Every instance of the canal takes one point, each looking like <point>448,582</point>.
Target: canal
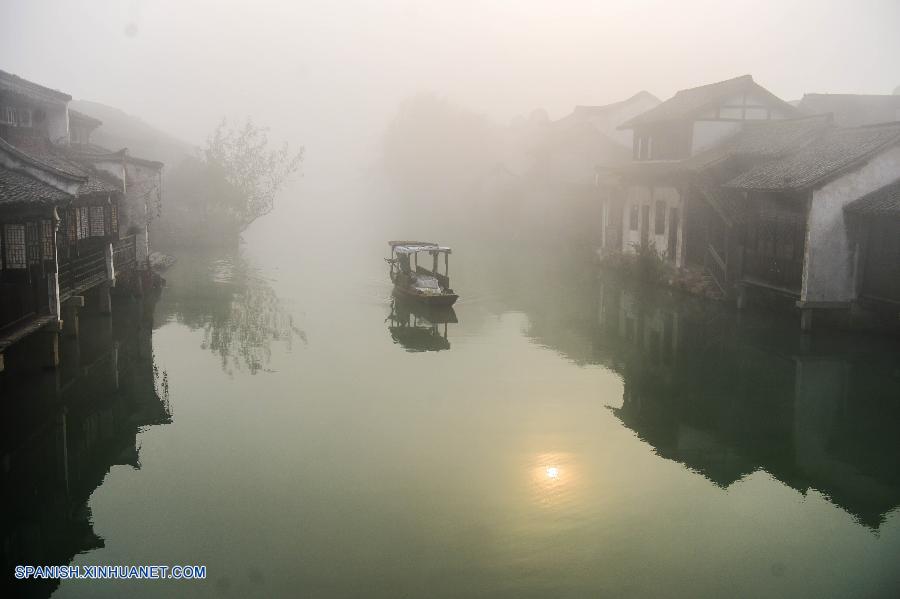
<point>274,417</point>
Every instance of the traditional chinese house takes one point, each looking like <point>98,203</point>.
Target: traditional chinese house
<point>73,216</point>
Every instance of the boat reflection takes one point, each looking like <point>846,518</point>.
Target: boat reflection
<point>417,327</point>
<point>66,429</point>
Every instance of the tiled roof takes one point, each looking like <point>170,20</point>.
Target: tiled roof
<point>17,84</point>
<point>582,111</point>
<point>93,152</point>
<point>689,101</point>
<point>20,188</point>
<point>826,155</point>
<point>884,201</point>
<point>99,182</point>
<point>853,110</point>
<point>43,153</point>
<point>761,140</point>
<point>80,116</point>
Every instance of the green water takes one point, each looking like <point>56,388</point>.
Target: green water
<point>272,417</point>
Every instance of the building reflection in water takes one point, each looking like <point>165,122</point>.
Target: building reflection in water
<point>64,430</point>
<point>238,311</point>
<point>418,328</point>
<point>728,395</point>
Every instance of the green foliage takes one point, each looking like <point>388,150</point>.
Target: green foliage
<point>650,267</point>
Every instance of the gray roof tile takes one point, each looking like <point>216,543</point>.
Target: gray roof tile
<point>18,188</point>
<point>824,156</point>
<point>884,201</point>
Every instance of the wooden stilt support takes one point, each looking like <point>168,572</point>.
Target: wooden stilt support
<point>806,317</point>
<point>105,298</point>
<point>70,309</point>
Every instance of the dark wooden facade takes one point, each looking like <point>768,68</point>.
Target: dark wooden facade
<point>880,280</point>
<point>27,263</point>
<point>763,245</point>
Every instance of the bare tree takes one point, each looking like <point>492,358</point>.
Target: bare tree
<point>248,173</point>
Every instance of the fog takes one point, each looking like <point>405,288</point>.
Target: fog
<point>329,75</point>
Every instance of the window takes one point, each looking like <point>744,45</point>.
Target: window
<point>81,216</point>
<point>634,218</point>
<point>33,242</point>
<point>660,218</point>
<point>16,117</point>
<point>114,217</point>
<point>47,240</point>
<point>23,117</point>
<point>98,224</point>
<point>15,246</point>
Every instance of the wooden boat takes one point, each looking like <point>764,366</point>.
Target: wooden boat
<point>414,282</point>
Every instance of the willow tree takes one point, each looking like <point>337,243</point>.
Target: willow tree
<point>245,172</point>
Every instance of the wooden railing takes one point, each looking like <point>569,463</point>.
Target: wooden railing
<point>125,254</point>
<point>717,268</point>
<point>81,273</point>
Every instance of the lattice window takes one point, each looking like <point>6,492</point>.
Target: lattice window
<point>114,217</point>
<point>84,230</point>
<point>15,246</point>
<point>33,242</point>
<point>47,252</point>
<point>98,222</point>
<point>71,227</point>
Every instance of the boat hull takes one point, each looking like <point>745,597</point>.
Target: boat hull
<point>442,300</point>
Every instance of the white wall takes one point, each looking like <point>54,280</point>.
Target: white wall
<point>707,134</point>
<point>829,262</point>
<point>57,122</point>
<point>641,195</point>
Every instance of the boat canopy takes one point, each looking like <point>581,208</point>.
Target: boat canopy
<point>414,247</point>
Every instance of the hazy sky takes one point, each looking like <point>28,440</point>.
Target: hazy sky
<point>325,73</point>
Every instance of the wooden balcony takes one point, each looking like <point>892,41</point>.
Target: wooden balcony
<point>80,274</point>
<point>125,254</point>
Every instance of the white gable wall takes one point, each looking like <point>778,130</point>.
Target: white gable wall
<point>829,271</point>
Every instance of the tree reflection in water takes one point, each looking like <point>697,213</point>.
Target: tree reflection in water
<point>239,313</point>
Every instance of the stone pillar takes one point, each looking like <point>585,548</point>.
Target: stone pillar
<point>70,310</point>
<point>142,249</point>
<point>104,297</point>
<point>49,347</point>
<point>114,364</point>
<point>806,317</point>
<point>110,265</point>
<point>742,299</point>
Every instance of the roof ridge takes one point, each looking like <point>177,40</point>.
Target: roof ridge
<point>849,95</point>
<point>22,155</point>
<point>747,77</point>
<point>13,78</point>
